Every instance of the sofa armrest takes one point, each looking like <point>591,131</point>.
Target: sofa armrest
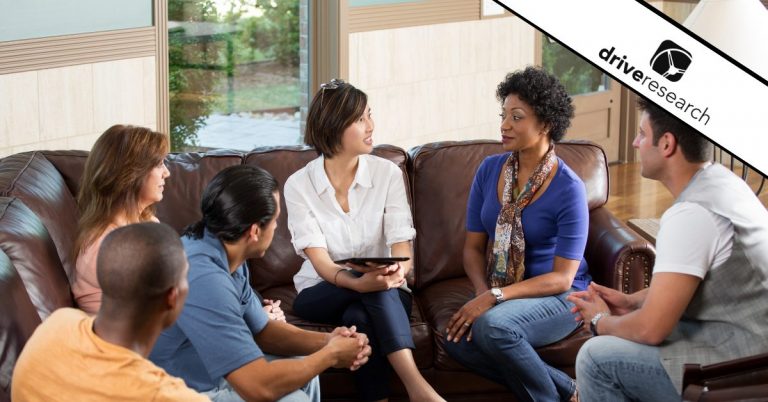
<point>743,376</point>
<point>617,256</point>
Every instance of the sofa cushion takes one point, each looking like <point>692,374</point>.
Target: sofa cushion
<point>34,180</point>
<point>190,174</point>
<point>18,319</point>
<point>441,175</point>
<point>70,165</point>
<point>589,162</point>
<point>439,302</point>
<point>25,240</point>
<point>280,263</point>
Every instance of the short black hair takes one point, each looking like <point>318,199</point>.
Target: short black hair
<point>138,263</point>
<point>236,198</point>
<point>334,108</point>
<point>544,93</point>
<point>695,147</point>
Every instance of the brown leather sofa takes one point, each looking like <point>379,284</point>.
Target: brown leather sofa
<point>744,379</point>
<point>38,225</point>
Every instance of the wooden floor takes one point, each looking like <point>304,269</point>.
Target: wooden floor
<point>632,196</point>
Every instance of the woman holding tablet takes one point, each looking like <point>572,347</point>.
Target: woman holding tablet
<point>349,204</point>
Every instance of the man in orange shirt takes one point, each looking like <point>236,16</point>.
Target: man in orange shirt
<point>142,270</point>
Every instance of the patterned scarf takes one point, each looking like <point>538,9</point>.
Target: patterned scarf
<point>506,264</point>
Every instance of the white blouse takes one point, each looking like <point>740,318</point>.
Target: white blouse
<point>378,216</point>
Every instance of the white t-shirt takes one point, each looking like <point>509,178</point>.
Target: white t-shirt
<point>378,216</point>
<point>692,240</point>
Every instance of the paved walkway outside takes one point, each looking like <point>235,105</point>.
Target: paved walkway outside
<point>246,132</point>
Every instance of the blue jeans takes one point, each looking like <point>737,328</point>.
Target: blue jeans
<point>383,316</point>
<point>503,342</point>
<point>310,392</point>
<point>615,369</point>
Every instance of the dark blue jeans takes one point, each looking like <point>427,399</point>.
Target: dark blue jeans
<point>382,316</point>
<point>503,342</point>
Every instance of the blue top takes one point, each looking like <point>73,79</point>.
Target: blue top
<point>213,335</point>
<point>555,224</point>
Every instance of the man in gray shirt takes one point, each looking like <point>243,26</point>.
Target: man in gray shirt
<point>706,301</point>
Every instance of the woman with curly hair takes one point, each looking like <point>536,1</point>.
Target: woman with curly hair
<point>124,177</point>
<point>533,208</point>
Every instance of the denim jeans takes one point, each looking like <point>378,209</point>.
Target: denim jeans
<point>615,369</point>
<point>310,392</point>
<point>503,342</point>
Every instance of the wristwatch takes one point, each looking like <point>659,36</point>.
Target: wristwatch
<point>497,293</point>
<point>595,319</point>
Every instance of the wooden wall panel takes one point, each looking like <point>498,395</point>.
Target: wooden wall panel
<point>69,50</point>
<point>427,12</point>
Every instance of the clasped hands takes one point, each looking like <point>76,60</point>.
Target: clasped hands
<point>597,299</point>
<point>273,310</point>
<point>378,277</point>
<point>349,347</point>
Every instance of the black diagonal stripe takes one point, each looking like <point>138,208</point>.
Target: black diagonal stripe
<point>629,87</point>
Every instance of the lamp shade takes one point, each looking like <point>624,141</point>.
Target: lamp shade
<point>739,28</point>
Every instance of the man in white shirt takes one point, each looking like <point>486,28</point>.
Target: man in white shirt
<point>705,302</point>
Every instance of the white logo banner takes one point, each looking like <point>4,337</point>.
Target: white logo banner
<point>664,64</point>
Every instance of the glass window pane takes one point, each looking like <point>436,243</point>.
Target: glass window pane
<point>364,3</point>
<point>27,19</point>
<point>578,76</point>
<point>234,73</point>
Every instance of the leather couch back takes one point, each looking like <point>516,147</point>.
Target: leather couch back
<point>441,176</point>
<point>33,179</point>
<point>25,240</point>
<point>190,174</point>
<point>70,165</point>
<point>281,262</point>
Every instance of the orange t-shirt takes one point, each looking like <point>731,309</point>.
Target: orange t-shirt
<point>65,360</point>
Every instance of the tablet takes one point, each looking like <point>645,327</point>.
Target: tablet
<point>374,260</point>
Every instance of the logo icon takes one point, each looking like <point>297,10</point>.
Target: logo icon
<point>671,60</point>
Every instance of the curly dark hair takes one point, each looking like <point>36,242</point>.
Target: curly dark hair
<point>544,93</point>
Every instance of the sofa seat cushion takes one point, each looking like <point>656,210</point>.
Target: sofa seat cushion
<point>441,300</point>
<point>422,336</point>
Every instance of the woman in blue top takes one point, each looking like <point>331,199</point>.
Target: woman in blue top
<point>533,208</point>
